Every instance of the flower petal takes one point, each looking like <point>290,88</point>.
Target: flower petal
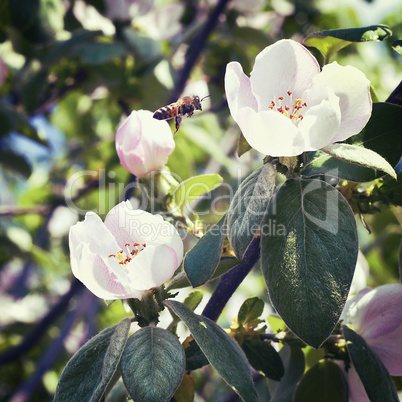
<point>389,349</point>
<point>92,231</point>
<point>378,312</point>
<point>357,393</point>
<point>153,266</point>
<point>90,244</point>
<point>353,89</point>
<point>129,226</point>
<point>321,122</point>
<point>238,89</point>
<point>270,133</point>
<point>90,269</point>
<point>285,65</point>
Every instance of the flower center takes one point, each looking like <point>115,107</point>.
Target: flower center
<point>124,257</point>
<point>288,108</point>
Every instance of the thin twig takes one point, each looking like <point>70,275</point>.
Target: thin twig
<point>230,281</point>
<point>196,48</point>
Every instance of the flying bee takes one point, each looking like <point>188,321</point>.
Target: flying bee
<point>184,106</point>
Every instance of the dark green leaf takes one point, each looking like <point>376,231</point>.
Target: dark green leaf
<point>152,365</point>
<point>397,46</point>
<point>248,208</point>
<point>225,264</point>
<point>146,48</point>
<point>309,259</point>
<point>325,381</point>
<point>294,363</point>
<point>220,349</point>
<point>263,357</point>
<point>372,372</point>
<point>381,135</point>
<point>98,53</point>
<point>250,310</point>
<point>90,370</point>
<point>321,164</point>
<point>331,41</point>
<point>201,261</point>
<point>359,156</point>
<point>195,359</point>
<point>16,163</point>
<point>13,120</point>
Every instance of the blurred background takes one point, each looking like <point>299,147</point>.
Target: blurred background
<point>70,71</point>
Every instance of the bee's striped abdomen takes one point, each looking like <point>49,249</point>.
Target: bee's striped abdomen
<point>165,113</point>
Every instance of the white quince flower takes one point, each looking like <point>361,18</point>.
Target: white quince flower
<point>289,105</point>
<point>131,252</point>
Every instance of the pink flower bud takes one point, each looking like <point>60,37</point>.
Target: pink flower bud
<point>144,143</point>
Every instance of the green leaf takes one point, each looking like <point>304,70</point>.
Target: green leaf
<point>226,263</point>
<point>250,310</point>
<point>243,146</point>
<point>294,364</point>
<point>381,134</point>
<point>359,156</point>
<point>91,369</point>
<point>16,163</point>
<point>220,349</point>
<point>193,299</point>
<point>331,41</point>
<point>372,372</point>
<point>195,359</point>
<point>146,48</point>
<point>95,53</point>
<point>309,259</point>
<point>263,357</point>
<point>321,164</point>
<point>325,381</point>
<point>192,188</point>
<point>152,365</point>
<point>13,120</point>
<point>248,208</point>
<point>397,46</point>
<point>201,261</point>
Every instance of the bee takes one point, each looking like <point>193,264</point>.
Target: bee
<point>184,106</point>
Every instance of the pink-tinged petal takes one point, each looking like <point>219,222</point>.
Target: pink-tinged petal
<point>389,349</point>
<point>93,232</point>
<point>143,143</point>
<point>357,393</point>
<point>129,226</point>
<point>378,312</point>
<point>157,142</point>
<point>320,123</point>
<point>96,276</point>
<point>152,267</point>
<point>270,133</point>
<point>238,89</point>
<point>353,89</point>
<point>284,66</point>
<point>350,303</point>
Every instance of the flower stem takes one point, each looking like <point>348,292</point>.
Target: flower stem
<point>230,281</point>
